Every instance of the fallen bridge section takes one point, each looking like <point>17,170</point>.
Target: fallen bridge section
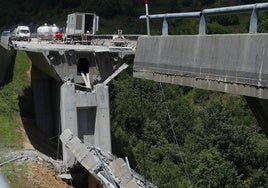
<point>110,171</point>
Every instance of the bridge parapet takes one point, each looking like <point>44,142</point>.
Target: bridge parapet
<point>234,63</point>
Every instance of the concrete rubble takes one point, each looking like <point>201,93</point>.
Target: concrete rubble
<point>22,156</point>
<point>111,171</point>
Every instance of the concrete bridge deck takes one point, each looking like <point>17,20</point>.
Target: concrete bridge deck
<point>233,63</point>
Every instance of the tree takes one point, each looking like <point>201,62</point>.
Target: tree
<point>213,171</point>
<point>207,2</point>
<point>166,175</point>
<point>108,8</point>
<point>127,7</point>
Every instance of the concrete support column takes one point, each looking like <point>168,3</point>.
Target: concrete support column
<point>102,126</point>
<point>87,115</point>
<point>68,117</point>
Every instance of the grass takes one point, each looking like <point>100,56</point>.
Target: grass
<point>10,135</point>
<point>15,175</point>
<point>9,103</point>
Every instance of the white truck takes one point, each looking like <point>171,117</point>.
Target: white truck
<point>21,33</point>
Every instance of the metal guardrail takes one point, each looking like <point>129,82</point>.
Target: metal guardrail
<point>212,12</point>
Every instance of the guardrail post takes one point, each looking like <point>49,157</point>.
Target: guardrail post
<point>254,8</point>
<point>253,26</point>
<point>165,27</point>
<point>202,25</point>
<point>146,2</point>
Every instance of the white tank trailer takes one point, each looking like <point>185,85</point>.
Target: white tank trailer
<point>46,32</point>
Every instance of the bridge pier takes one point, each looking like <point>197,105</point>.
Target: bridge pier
<point>86,114</point>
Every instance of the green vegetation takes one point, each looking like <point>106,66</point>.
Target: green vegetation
<point>9,103</point>
<point>210,140</point>
<point>15,175</point>
<point>10,134</point>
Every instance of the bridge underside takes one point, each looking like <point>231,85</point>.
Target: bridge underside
<point>234,64</point>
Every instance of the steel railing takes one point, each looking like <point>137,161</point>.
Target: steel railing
<point>212,12</point>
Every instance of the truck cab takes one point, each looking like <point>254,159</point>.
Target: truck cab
<point>21,33</point>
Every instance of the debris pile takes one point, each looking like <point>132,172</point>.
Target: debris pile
<point>112,172</point>
<point>22,156</point>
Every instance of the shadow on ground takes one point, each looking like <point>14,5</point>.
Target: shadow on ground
<point>48,146</point>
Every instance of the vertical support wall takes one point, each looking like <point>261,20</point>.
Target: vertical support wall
<point>68,117</point>
<point>87,115</point>
<point>102,127</point>
<point>43,104</point>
